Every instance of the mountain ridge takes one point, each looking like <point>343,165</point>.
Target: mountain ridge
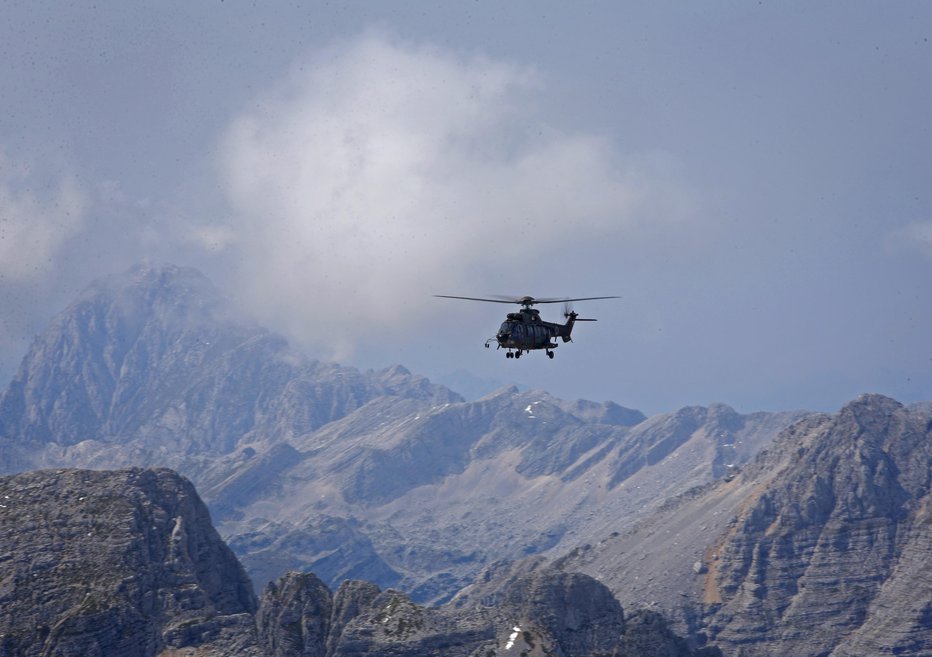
<point>741,527</point>
<point>819,546</point>
<point>127,562</point>
<point>152,368</point>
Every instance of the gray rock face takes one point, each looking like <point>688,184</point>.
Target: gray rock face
<point>116,563</point>
<point>534,610</point>
<point>295,618</point>
<point>833,556</point>
<point>821,546</point>
<point>127,563</point>
<point>441,492</point>
<point>335,548</point>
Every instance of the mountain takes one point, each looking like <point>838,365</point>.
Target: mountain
<point>439,493</point>
<point>760,534</point>
<point>127,563</point>
<point>153,366</point>
<point>318,467</point>
<point>821,546</point>
<point>107,563</point>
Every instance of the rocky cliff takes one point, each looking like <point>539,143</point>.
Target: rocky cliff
<point>535,610</point>
<point>834,555</point>
<point>821,546</point>
<point>116,563</point>
<point>127,563</point>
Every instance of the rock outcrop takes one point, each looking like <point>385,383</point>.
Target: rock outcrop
<point>821,546</point>
<point>127,563</point>
<point>534,610</point>
<point>296,617</point>
<point>834,555</point>
<point>117,563</point>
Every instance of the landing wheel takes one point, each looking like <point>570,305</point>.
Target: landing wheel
<point>517,354</point>
<point>509,355</point>
<point>550,354</point>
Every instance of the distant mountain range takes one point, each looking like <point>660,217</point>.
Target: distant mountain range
<point>741,527</point>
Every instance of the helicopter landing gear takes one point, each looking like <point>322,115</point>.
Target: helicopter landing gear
<point>549,353</point>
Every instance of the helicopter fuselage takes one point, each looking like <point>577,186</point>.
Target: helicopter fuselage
<point>526,331</point>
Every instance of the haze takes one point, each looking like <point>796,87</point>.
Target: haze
<point>751,178</point>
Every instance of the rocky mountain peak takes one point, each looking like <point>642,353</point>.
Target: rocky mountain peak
<point>156,360</point>
<point>839,531</point>
<point>127,341</point>
<point>869,416</point>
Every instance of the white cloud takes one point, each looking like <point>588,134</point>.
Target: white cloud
<point>36,219</point>
<point>211,238</point>
<point>380,172</point>
<point>915,236</point>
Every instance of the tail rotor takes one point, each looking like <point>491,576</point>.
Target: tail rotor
<point>571,314</point>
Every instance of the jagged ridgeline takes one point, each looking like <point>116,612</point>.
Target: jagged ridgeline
<point>817,545</point>
<point>317,467</point>
<point>821,546</point>
<point>127,563</point>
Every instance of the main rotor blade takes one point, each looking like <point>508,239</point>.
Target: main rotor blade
<point>447,296</point>
<point>561,300</point>
<point>524,301</point>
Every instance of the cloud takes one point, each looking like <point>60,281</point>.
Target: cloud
<point>379,172</point>
<point>37,217</point>
<point>915,236</point>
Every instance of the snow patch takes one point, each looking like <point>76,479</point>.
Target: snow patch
<point>515,631</point>
<point>530,409</point>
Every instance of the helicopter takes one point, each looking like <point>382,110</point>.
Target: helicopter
<point>524,331</point>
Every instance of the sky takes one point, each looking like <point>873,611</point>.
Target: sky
<point>752,179</point>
